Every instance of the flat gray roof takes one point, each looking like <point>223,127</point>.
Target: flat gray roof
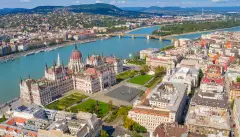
<point>124,93</point>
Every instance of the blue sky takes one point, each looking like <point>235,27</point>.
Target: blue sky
<point>120,3</point>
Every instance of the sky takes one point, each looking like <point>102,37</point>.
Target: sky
<point>119,3</point>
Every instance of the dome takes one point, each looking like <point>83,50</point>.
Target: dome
<point>76,54</point>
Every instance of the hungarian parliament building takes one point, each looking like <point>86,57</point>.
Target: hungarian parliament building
<point>96,74</point>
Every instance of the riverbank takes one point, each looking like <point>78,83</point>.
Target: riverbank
<point>129,31</point>
<point>44,49</point>
<point>196,32</point>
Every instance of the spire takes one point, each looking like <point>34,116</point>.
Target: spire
<point>46,67</point>
<point>58,60</point>
<point>76,46</point>
<point>21,80</point>
<point>54,63</point>
<point>62,64</point>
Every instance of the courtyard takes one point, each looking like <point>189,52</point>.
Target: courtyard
<point>91,106</point>
<point>141,79</point>
<point>66,102</point>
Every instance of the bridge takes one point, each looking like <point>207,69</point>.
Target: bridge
<point>147,36</point>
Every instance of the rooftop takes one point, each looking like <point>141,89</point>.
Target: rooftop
<point>170,93</point>
<point>212,99</point>
<point>208,117</point>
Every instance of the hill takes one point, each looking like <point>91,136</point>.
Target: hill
<point>180,10</point>
<point>98,8</point>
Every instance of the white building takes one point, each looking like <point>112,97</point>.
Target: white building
<point>236,116</point>
<point>162,105</point>
<point>183,75</point>
<point>148,52</point>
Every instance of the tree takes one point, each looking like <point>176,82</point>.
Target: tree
<point>138,128</point>
<point>128,123</point>
<point>238,79</point>
<point>232,104</point>
<point>145,68</point>
<point>3,118</point>
<point>103,133</point>
<point>110,105</point>
<point>142,72</point>
<point>159,71</point>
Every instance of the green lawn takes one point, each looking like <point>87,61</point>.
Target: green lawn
<point>66,101</point>
<point>126,75</point>
<point>154,82</point>
<point>137,62</point>
<point>141,79</point>
<point>90,106</point>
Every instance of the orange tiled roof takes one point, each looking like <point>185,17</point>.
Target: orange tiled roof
<point>17,120</point>
<point>151,112</point>
<point>17,130</point>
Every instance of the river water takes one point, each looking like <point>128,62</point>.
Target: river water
<point>11,71</point>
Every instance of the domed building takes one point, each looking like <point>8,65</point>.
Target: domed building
<point>76,64</point>
<point>97,74</point>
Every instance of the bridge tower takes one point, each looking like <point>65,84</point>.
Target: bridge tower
<point>160,38</point>
<point>148,37</point>
<point>133,36</point>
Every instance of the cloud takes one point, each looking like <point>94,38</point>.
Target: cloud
<point>99,1</point>
<point>118,1</point>
<point>77,2</point>
<point>220,1</point>
<point>25,0</point>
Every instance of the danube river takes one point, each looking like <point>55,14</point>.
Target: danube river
<point>11,71</point>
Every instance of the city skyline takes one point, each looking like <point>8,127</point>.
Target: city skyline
<point>119,3</point>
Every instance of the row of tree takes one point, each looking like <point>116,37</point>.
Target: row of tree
<point>193,27</point>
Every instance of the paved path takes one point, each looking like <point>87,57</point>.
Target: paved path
<point>14,105</point>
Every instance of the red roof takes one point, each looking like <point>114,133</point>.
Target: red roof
<point>151,112</point>
<point>91,71</point>
<point>209,80</point>
<point>235,86</point>
<point>17,130</point>
<point>76,55</point>
<point>16,120</point>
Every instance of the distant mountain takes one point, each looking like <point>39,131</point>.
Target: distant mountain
<point>180,10</point>
<point>9,10</point>
<point>98,8</point>
<point>134,8</point>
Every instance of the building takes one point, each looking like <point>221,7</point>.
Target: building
<point>236,116</point>
<point>162,105</point>
<point>234,91</point>
<point>208,110</point>
<point>99,73</point>
<point>56,82</point>
<point>33,121</point>
<point>162,59</point>
<point>170,130</point>
<point>213,79</point>
<point>208,114</point>
<point>183,75</point>
<point>148,52</point>
<point>73,125</point>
